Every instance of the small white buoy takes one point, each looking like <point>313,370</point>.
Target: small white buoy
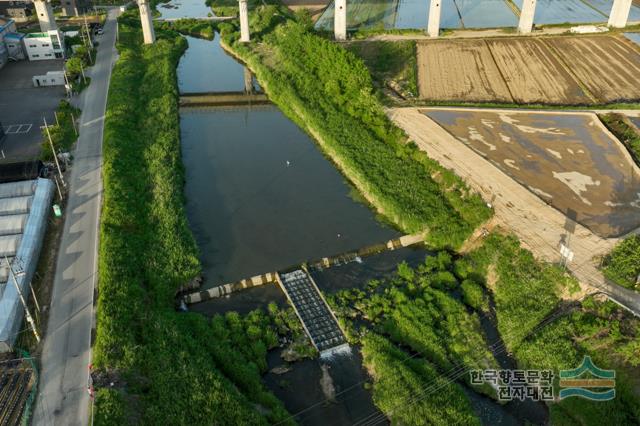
<point>288,163</point>
<point>338,235</point>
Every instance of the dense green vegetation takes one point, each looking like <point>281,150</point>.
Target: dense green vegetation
<point>618,125</point>
<point>400,380</point>
<point>192,27</point>
<point>622,265</point>
<point>63,132</point>
<point>417,309</point>
<point>612,339</point>
<point>328,91</point>
<point>167,367</point>
<point>392,64</point>
<point>525,291</point>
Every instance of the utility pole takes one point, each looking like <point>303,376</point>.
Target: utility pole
<point>30,320</point>
<point>86,27</point>
<point>83,77</point>
<point>53,149</point>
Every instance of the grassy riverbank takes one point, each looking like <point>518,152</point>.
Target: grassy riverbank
<point>328,92</point>
<point>622,265</point>
<point>154,365</point>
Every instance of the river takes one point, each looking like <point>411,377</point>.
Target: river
<point>260,196</point>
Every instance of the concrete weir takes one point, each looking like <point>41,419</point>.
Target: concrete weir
<point>325,262</point>
<point>314,313</point>
<point>222,99</point>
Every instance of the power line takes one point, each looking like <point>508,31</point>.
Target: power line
<point>497,347</point>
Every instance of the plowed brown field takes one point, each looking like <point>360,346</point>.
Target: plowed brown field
<point>534,74</point>
<point>551,70</point>
<point>607,66</point>
<point>459,70</point>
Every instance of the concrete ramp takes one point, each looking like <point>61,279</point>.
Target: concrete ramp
<point>317,318</point>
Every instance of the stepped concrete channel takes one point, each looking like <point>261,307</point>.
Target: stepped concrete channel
<point>317,318</point>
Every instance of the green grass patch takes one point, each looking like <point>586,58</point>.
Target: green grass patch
<point>622,265</point>
<point>612,338</point>
<point>192,27</point>
<point>525,291</point>
<point>619,125</point>
<point>392,64</point>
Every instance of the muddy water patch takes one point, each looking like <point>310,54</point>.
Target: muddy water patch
<point>568,160</point>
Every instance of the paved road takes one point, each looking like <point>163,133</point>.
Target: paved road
<point>63,398</point>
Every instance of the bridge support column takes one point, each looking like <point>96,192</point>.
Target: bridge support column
<point>248,81</point>
<point>45,15</point>
<point>619,13</point>
<point>244,22</point>
<point>146,19</point>
<point>433,26</point>
<point>340,20</point>
<point>525,26</point>
<point>69,7</point>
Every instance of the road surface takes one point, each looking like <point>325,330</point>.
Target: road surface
<point>63,398</point>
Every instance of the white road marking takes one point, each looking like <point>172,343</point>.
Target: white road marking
<point>13,129</point>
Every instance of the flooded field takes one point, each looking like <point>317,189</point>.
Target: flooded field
<point>529,70</point>
<point>406,14</point>
<point>412,14</point>
<point>634,37</point>
<point>184,9</point>
<point>569,160</point>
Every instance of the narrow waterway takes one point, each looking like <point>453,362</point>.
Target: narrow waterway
<point>262,197</point>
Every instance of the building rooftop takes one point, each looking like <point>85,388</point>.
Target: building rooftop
<point>37,35</point>
<point>14,36</point>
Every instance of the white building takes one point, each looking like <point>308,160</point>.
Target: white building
<point>45,45</point>
<point>6,27</point>
<point>51,78</point>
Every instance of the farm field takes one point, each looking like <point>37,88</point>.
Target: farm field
<point>459,70</point>
<point>534,74</point>
<point>412,14</point>
<point>408,14</point>
<point>607,66</point>
<point>569,160</point>
<point>550,70</point>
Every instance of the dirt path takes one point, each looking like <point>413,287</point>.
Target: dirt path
<point>539,227</point>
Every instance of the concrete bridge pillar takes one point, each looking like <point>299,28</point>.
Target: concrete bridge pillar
<point>244,22</point>
<point>619,13</point>
<point>340,20</point>
<point>248,81</point>
<point>433,26</point>
<point>525,26</point>
<point>147,22</point>
<point>45,15</point>
<point>69,7</point>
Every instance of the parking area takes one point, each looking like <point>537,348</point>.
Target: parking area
<point>23,106</point>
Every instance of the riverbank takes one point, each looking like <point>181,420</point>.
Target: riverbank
<point>328,92</point>
<point>153,365</point>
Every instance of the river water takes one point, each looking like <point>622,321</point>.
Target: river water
<point>262,197</point>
